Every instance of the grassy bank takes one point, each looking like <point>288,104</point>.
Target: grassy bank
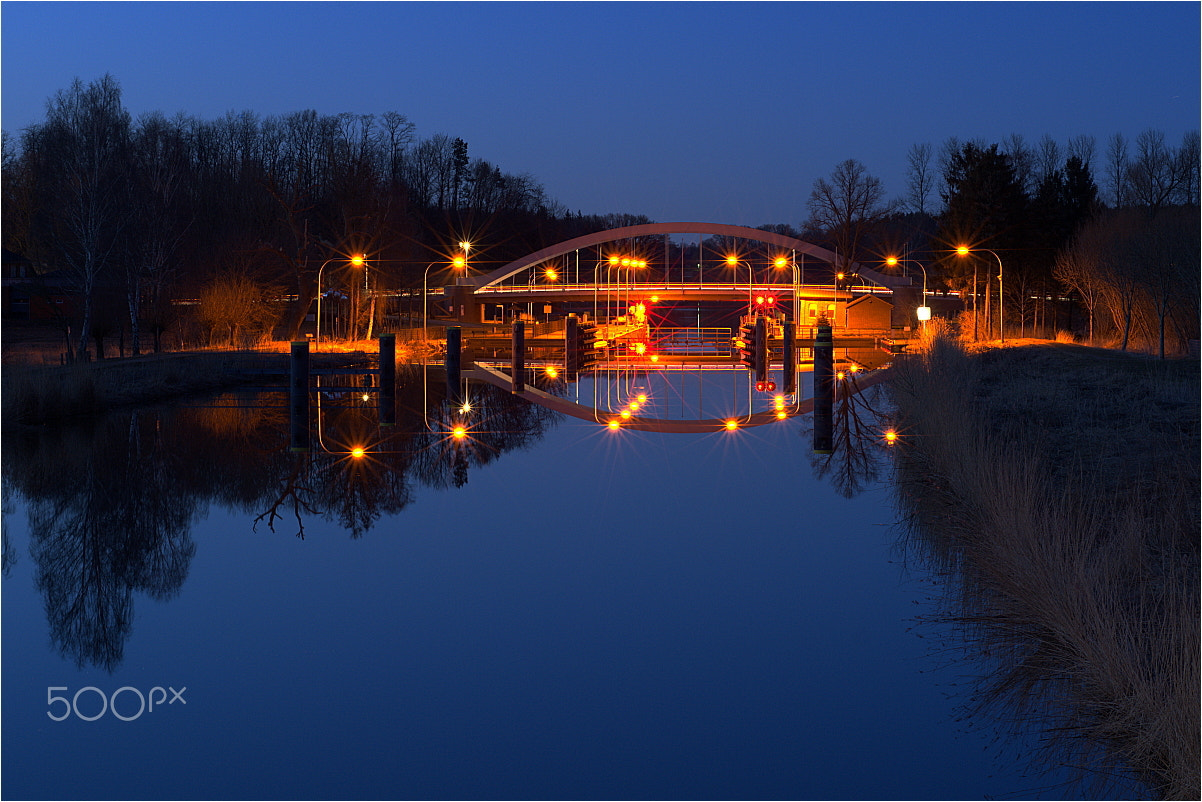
<point>1056,487</point>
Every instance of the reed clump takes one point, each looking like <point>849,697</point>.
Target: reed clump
<point>1057,486</point>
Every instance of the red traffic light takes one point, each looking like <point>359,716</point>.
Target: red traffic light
<point>765,387</point>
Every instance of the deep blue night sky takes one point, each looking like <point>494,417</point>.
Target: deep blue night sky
<point>722,112</point>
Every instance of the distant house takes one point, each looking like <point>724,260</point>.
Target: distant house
<point>26,294</point>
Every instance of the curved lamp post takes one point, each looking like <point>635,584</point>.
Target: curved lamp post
<point>357,261</point>
<point>780,263</point>
<point>733,261</point>
<point>458,263</point>
<point>924,311</point>
<point>964,250</point>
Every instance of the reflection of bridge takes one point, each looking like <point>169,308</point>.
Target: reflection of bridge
<point>586,270</point>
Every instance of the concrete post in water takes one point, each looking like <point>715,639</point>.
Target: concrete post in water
<point>571,352</point>
<point>824,389</point>
<point>454,346</point>
<point>790,359</point>
<point>387,379</point>
<point>298,396</point>
<point>518,369</point>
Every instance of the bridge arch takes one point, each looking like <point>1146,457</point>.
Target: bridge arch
<point>712,229</point>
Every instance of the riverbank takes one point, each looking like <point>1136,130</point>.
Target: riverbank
<point>1055,490</point>
<point>33,394</point>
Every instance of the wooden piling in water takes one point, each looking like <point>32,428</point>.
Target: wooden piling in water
<point>387,379</point>
<point>789,360</point>
<point>298,396</point>
<point>453,363</point>
<point>824,389</point>
<point>518,367</point>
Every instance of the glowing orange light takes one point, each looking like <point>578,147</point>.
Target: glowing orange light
<point>962,250</point>
<point>771,300</point>
<point>357,260</point>
<point>551,274</point>
<point>459,262</point>
<point>840,276</point>
<point>624,414</point>
<point>891,261</point>
<point>357,452</point>
<point>731,425</point>
<point>467,407</point>
<point>854,368</point>
<point>890,437</point>
<point>781,414</point>
<point>614,425</point>
<point>780,261</point>
<point>613,260</point>
<point>552,372</point>
<point>634,406</point>
<point>732,260</point>
<point>625,263</point>
<point>654,299</point>
<point>459,432</point>
<point>642,398</point>
<point>759,299</point>
<point>655,357</point>
<point>779,401</point>
<point>840,375</point>
<point>640,348</point>
<point>365,397</point>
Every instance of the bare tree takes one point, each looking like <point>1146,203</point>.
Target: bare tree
<point>1047,158</point>
<point>1155,174</point>
<point>1022,160</point>
<point>920,177</point>
<point>847,207</point>
<point>1084,147</point>
<point>1117,163</point>
<point>82,149</point>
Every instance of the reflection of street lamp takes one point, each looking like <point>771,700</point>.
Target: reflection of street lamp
<point>964,250</point>
<point>357,261</point>
<point>924,311</point>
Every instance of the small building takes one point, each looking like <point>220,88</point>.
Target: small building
<point>869,312</point>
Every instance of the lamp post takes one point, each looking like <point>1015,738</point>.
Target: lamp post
<point>457,263</point>
<point>924,311</point>
<point>357,261</point>
<point>780,263</point>
<point>733,261</point>
<point>964,250</point>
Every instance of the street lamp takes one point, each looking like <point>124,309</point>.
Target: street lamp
<point>924,311</point>
<point>733,261</point>
<point>964,250</point>
<point>457,263</point>
<point>357,261</point>
<point>780,263</point>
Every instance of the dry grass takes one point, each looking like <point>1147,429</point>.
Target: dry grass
<point>1059,486</point>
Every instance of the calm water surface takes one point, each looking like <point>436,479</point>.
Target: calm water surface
<point>553,611</point>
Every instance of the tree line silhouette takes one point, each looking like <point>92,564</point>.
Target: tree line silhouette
<point>238,212</point>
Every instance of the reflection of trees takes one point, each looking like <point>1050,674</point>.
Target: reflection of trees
<point>111,500</point>
<point>121,524</point>
<point>857,457</point>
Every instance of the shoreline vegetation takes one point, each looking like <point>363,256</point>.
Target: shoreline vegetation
<point>35,394</point>
<point>1053,491</point>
